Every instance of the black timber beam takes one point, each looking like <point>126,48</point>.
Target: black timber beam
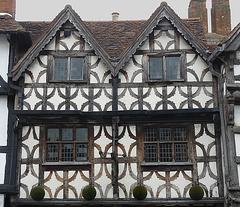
<point>126,117</point>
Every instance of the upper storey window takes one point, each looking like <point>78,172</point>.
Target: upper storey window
<point>68,68</point>
<point>165,68</point>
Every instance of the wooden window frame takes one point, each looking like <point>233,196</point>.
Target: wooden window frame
<point>68,56</point>
<point>173,164</point>
<point>67,164</point>
<point>181,56</point>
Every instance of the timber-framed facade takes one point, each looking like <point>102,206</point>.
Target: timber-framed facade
<point>119,104</point>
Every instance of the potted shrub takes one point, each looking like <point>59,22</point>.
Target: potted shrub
<point>140,192</point>
<point>89,192</point>
<point>196,192</point>
<point>37,193</point>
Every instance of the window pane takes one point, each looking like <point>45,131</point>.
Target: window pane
<point>180,134</point>
<point>172,68</point>
<point>60,69</point>
<point>53,134</point>
<point>77,68</point>
<point>81,152</point>
<point>180,152</point>
<point>151,153</point>
<point>155,68</point>
<point>52,152</point>
<point>165,134</point>
<point>165,152</point>
<point>67,134</point>
<point>150,135</point>
<point>82,134</point>
<point>67,152</point>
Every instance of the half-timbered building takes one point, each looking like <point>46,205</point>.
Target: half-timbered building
<point>14,40</point>
<point>115,105</point>
<point>226,61</point>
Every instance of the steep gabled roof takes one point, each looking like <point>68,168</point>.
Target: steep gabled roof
<point>113,41</point>
<point>66,14</point>
<point>163,11</point>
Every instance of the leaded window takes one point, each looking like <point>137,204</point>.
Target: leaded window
<point>68,68</point>
<point>164,68</point>
<point>166,144</point>
<point>67,144</point>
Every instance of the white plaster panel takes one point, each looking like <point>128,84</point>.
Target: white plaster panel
<point>100,70</point>
<point>53,184</point>
<point>237,115</point>
<point>30,142</point>
<point>145,45</point>
<point>127,180</point>
<point>164,39</point>
<point>102,141</point>
<point>236,69</point>
<point>152,99</point>
<point>177,99</point>
<point>4,120</point>
<point>102,100</point>
<point>198,68</point>
<point>69,41</point>
<point>180,183</point>
<point>207,180</point>
<point>238,167</point>
<point>154,183</point>
<point>78,183</point>
<point>127,99</point>
<point>4,56</point>
<point>103,181</point>
<point>51,45</point>
<point>35,69</point>
<point>237,144</point>
<point>33,100</point>
<point>1,200</point>
<point>127,141</point>
<point>87,46</point>
<point>132,69</point>
<point>29,180</point>
<point>2,167</point>
<point>79,100</point>
<point>202,98</point>
<point>56,99</point>
<point>205,140</point>
<point>184,45</point>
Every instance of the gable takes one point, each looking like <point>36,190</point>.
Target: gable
<point>68,14</point>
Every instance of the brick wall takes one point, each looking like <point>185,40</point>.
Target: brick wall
<point>8,6</point>
<point>221,17</point>
<point>198,9</point>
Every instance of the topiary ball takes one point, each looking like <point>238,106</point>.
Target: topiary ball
<point>89,192</point>
<point>37,193</point>
<point>140,192</point>
<point>196,192</point>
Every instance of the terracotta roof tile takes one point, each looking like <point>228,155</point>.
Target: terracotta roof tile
<point>115,36</point>
<point>8,24</point>
<point>35,29</point>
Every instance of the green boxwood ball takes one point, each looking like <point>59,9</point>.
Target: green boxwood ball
<point>37,193</point>
<point>196,192</point>
<point>89,192</point>
<point>140,192</point>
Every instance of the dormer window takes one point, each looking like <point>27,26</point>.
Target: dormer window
<point>165,68</point>
<point>68,68</point>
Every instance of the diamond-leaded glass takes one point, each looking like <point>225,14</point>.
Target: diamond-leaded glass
<point>156,68</point>
<point>77,67</point>
<point>172,68</point>
<point>60,69</point>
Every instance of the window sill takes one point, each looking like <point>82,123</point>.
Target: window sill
<point>164,81</point>
<point>66,165</point>
<point>68,81</point>
<point>146,166</point>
